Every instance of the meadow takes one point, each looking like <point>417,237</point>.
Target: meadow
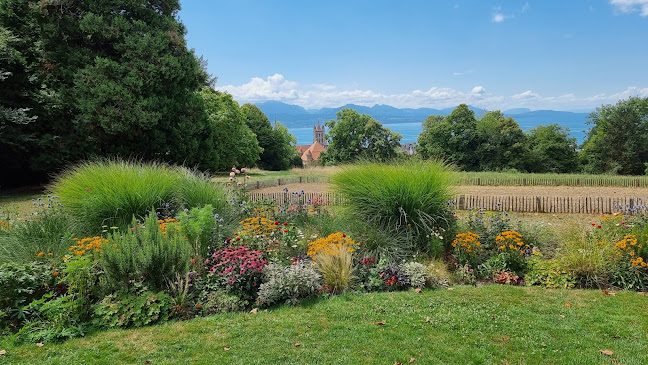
<point>126,261</point>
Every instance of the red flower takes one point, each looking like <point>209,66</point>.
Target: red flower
<point>593,224</point>
<point>344,235</point>
<point>193,261</point>
<point>598,226</point>
<point>285,223</point>
<point>276,223</point>
<point>285,231</point>
<point>198,305</point>
<point>238,238</point>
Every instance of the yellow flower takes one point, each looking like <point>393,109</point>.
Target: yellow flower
<point>40,254</point>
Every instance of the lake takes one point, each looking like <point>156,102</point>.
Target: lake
<point>410,131</point>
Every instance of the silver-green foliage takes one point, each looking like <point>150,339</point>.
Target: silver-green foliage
<point>289,283</point>
<point>145,253</point>
<point>416,272</point>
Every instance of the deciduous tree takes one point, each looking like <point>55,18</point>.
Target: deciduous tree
<point>355,136</point>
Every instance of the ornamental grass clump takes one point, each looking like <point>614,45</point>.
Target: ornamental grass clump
<point>109,192</point>
<point>411,198</point>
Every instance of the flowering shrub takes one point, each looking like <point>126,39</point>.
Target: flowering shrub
<point>239,270</point>
<point>394,278</point>
<point>332,245</point>
<point>289,283</point>
<point>368,274</point>
<point>512,249</point>
<point>547,273</point>
<point>465,274</point>
<point>90,245</point>
<point>4,225</point>
<point>630,270</point>
<point>467,248</point>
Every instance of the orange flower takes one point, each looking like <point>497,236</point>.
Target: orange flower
<point>40,254</point>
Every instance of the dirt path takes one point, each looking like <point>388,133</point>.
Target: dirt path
<point>572,191</point>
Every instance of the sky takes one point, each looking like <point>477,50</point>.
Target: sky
<point>539,54</point>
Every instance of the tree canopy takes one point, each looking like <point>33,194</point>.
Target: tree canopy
<point>552,150</point>
<point>618,140</point>
<point>354,136</point>
<point>278,144</point>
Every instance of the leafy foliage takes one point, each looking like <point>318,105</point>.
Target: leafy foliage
<point>125,309</point>
<point>354,136</point>
<point>552,150</point>
<point>618,140</point>
<point>277,143</point>
<point>233,142</point>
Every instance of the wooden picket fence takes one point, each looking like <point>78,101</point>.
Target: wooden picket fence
<point>522,204</point>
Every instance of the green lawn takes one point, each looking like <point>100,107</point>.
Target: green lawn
<point>485,325</point>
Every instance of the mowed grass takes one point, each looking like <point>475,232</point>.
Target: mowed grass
<point>484,325</point>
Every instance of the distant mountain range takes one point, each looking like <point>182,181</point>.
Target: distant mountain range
<point>294,116</point>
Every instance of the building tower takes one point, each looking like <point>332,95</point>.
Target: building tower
<point>318,134</point>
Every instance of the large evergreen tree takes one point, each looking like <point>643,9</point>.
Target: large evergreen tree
<point>118,77</point>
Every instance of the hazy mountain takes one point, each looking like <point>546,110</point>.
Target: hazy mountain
<point>294,116</point>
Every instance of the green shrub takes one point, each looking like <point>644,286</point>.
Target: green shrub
<point>220,301</point>
<point>410,198</point>
<point>125,309</point>
<point>153,252</point>
<point>547,273</point>
<point>199,225</point>
<point>20,284</point>
<point>109,192</point>
<point>53,318</point>
<point>288,283</point>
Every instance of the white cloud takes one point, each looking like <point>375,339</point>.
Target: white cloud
<point>478,90</point>
<point>278,88</point>
<point>526,95</point>
<point>498,17</point>
<point>631,6</point>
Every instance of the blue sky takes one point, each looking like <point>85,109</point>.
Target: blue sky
<point>538,54</point>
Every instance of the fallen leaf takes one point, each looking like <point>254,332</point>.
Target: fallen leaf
<point>382,323</point>
<point>607,293</point>
<point>297,344</point>
<point>412,360</point>
<point>562,316</point>
<point>427,319</point>
<point>2,352</point>
<point>309,326</point>
<point>398,363</point>
<point>254,311</point>
<point>568,304</point>
<point>505,338</point>
<point>372,297</point>
<point>450,288</point>
<point>40,344</point>
<point>418,290</point>
<point>226,348</point>
<point>607,352</point>
<point>493,316</point>
<point>148,361</point>
<point>615,336</point>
